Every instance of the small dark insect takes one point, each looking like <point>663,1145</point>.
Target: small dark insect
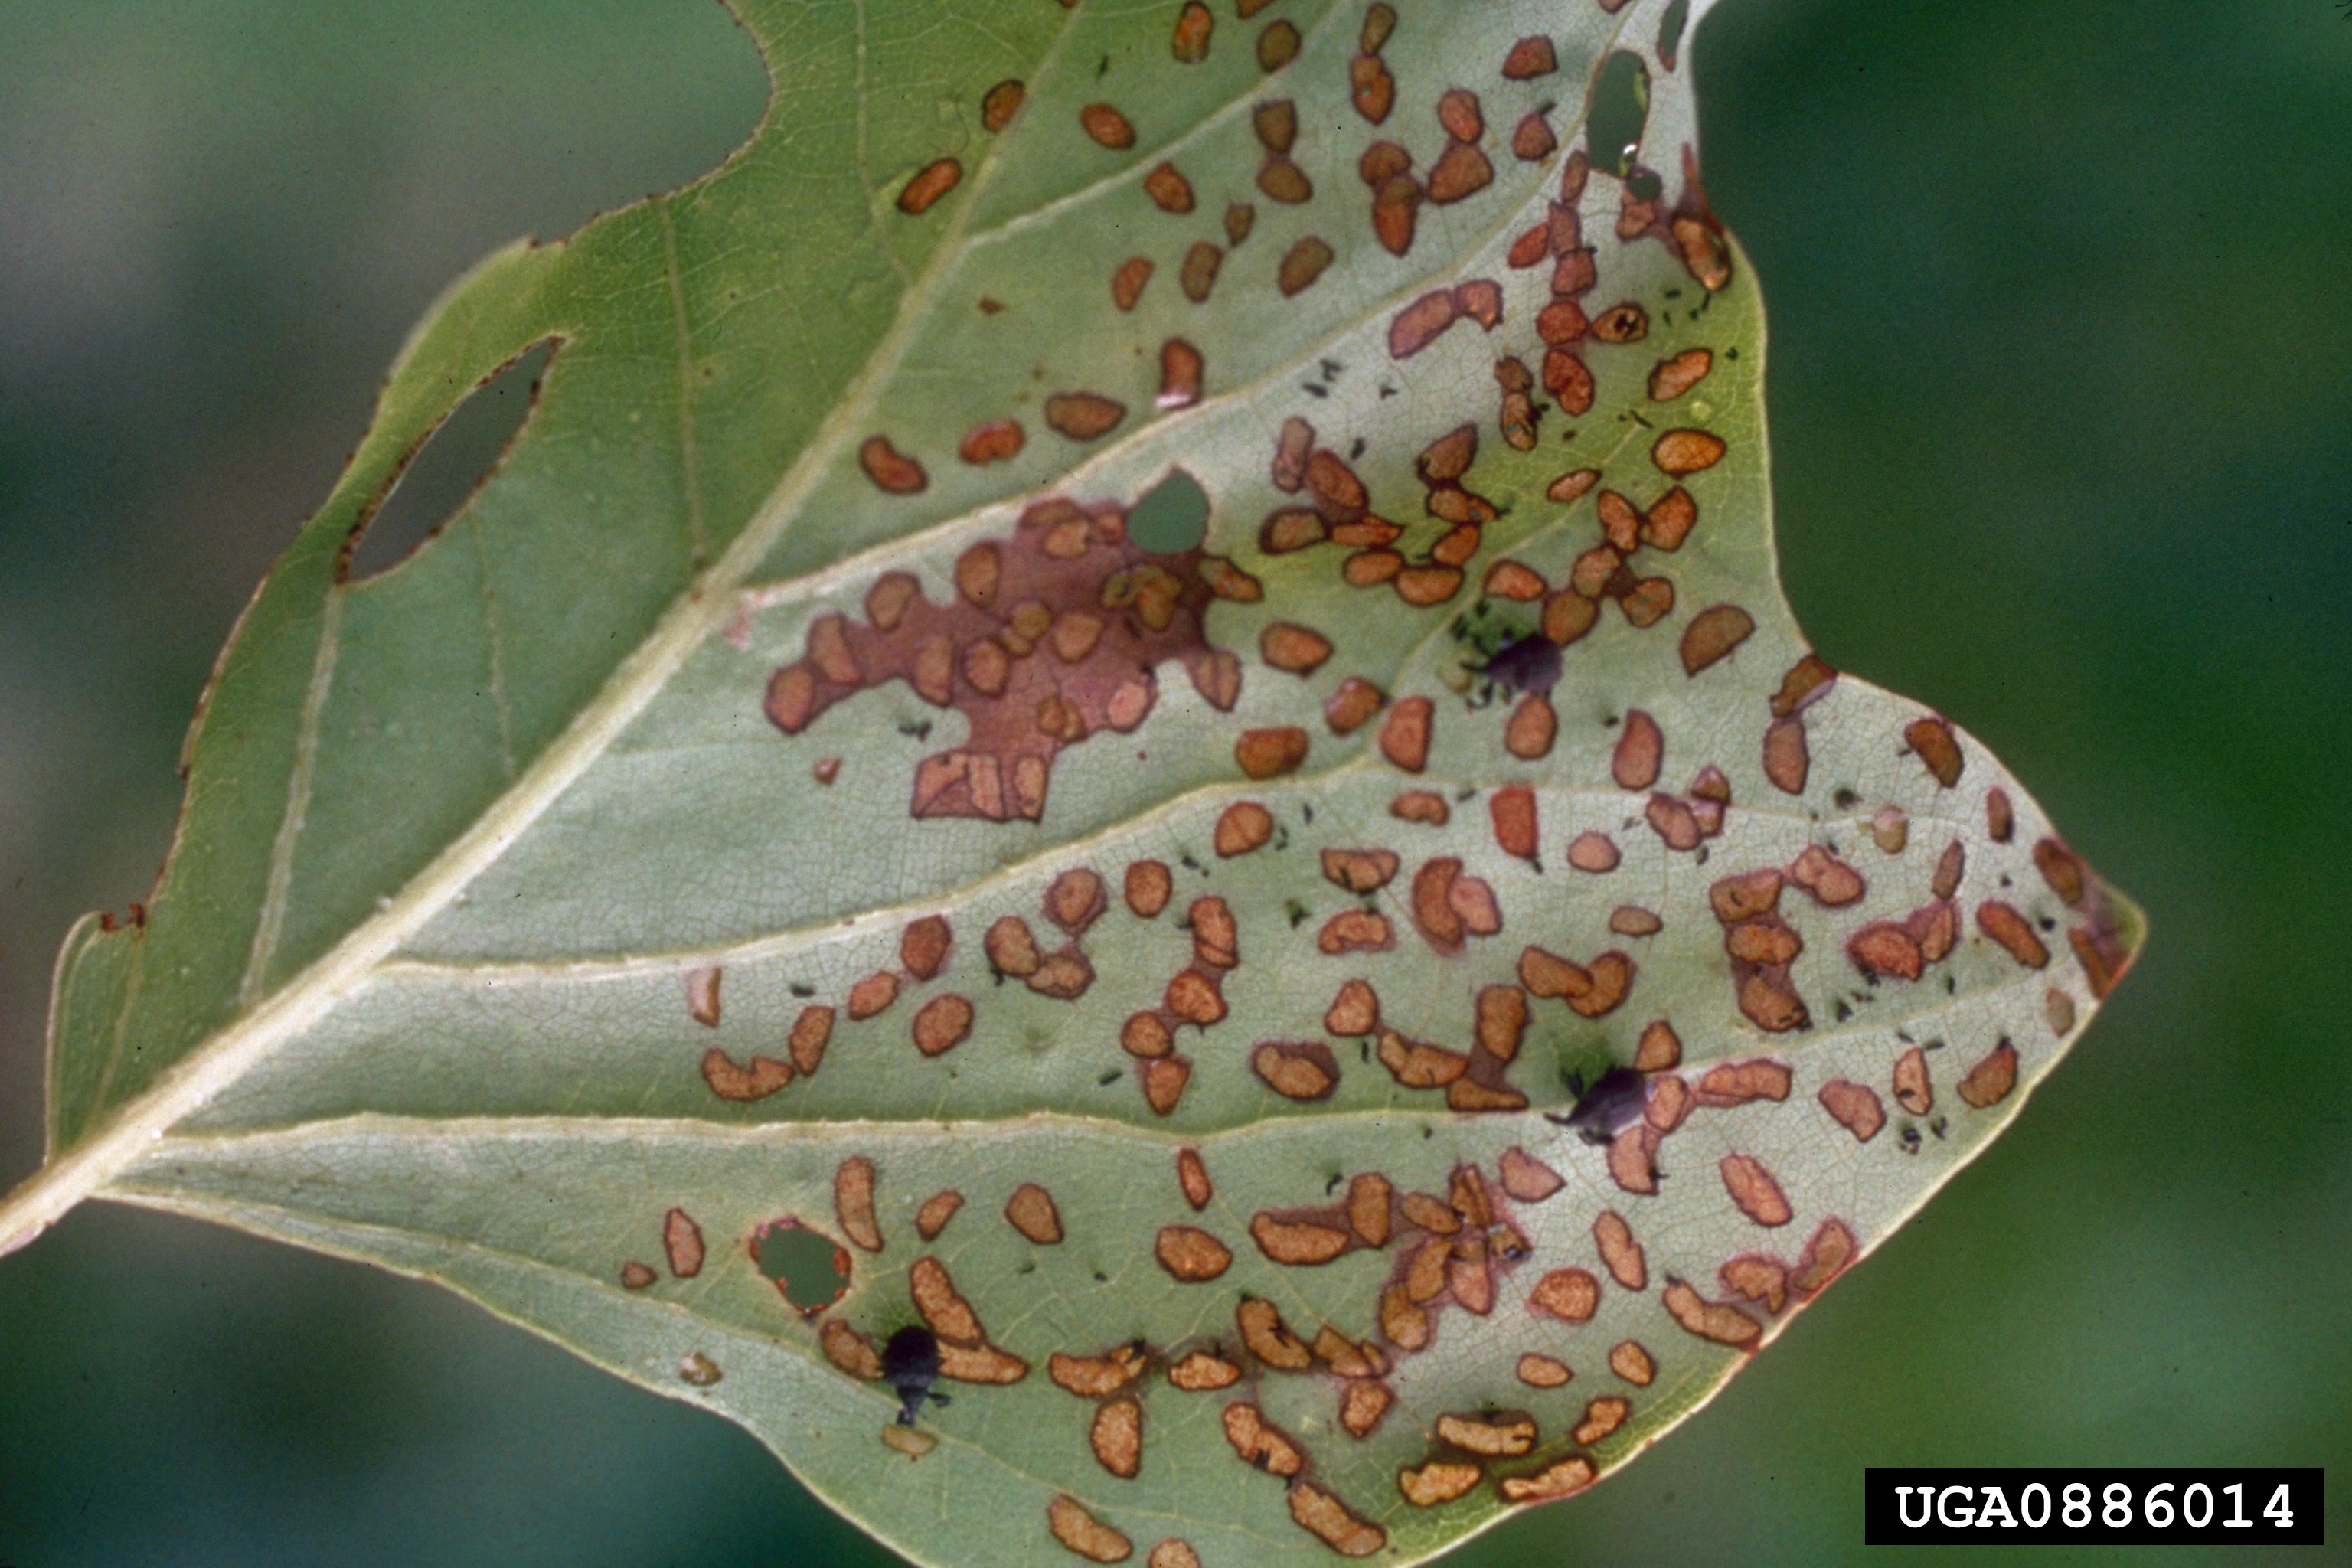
<point>1527,664</point>
<point>1910,1139</point>
<point>1614,1102</point>
<point>911,1364</point>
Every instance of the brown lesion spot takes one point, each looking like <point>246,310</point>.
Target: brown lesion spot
<point>1054,636</point>
<point>1084,1535</point>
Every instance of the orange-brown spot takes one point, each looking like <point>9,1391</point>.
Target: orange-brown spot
<point>1619,1251</point>
<point>1786,759</point>
<point>1404,733</point>
<point>1592,851</point>
<point>1354,701</point>
<point>1193,1176</point>
<point>2058,1010</point>
<point>1737,1083</point>
<point>764,1077</point>
<point>1084,1535</point>
<point>1354,1010</point>
<point>1108,126</point>
<point>853,1202</point>
<point>1884,948</point>
<point>1242,828</point>
<point>1855,1107</point>
<point>890,468</point>
<point>944,1308</point>
<point>1173,1553</point>
<point>1190,44</point>
<point>1296,1070</point>
<point>1602,1417</point>
<point>934,181</point>
<point>1713,633</point>
<point>1418,1066</point>
<point>1531,728</point>
<point>1030,1210</point>
<point>1760,1280</point>
<point>1181,372</point>
<point>1404,1322</point>
<point>1149,885</point>
<point>1321,1514</point>
<point>1084,415</point>
<point>981,1363</point>
<point>849,1350</point>
<point>1532,139</point>
<point>1200,1371</point>
<point>1913,1091</point>
<point>1127,283</point>
<point>1675,377</point>
<point>1754,1189</point>
<point>1832,1246</point>
<point>2001,818</point>
<point>1146,1035</point>
<point>682,1242</point>
<point>1011,947</point>
<point>1611,976</point>
<point>1462,170</point>
<point>1659,1047</point>
<point>1117,1437</point>
<point>1426,807</point>
<point>1503,1435</point>
<point>2006,927</point>
<point>1633,1160</point>
<point>1271,753</point>
<point>1719,1321</point>
<point>1543,1371</point>
<point>1301,265</point>
<point>1932,741</point>
<point>1531,57</point>
<point>1355,930</point>
<point>1362,1402</point>
<point>1680,452</point>
<point>1438,1481</point>
<point>937,1210</point>
<point>1570,1475</point>
<point>1360,870</point>
<point>635,1276</point>
<point>1501,1016</point>
<point>1572,1295</point>
<point>1639,753</point>
<point>1989,1081</point>
<point>923,946</point>
<point>1170,191</point>
<point>809,1034</point>
<point>1298,1243</point>
<point>1002,102</point>
<point>1262,1330</point>
<point>1301,651</point>
<point>873,995</point>
<point>1191,1254</point>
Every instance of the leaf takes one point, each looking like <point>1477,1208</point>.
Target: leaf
<point>1127,699</point>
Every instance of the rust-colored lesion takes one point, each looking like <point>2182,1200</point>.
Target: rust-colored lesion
<point>1052,636</point>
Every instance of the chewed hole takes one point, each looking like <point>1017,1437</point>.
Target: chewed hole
<point>1621,107</point>
<point>457,459</point>
<point>811,1270</point>
<point>1172,518</point>
<point>1670,32</point>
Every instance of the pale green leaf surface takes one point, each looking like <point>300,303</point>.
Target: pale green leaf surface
<point>496,867</point>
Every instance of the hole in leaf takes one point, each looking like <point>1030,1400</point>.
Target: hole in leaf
<point>1670,31</point>
<point>1172,516</point>
<point>811,1268</point>
<point>458,459</point>
<point>1621,107</point>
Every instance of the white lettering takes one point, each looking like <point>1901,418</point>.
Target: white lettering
<point>1902,1506</point>
<point>1943,1508</point>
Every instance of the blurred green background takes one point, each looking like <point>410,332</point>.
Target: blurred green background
<point>2061,400</point>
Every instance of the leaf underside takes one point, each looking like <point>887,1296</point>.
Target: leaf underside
<point>1131,674</point>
